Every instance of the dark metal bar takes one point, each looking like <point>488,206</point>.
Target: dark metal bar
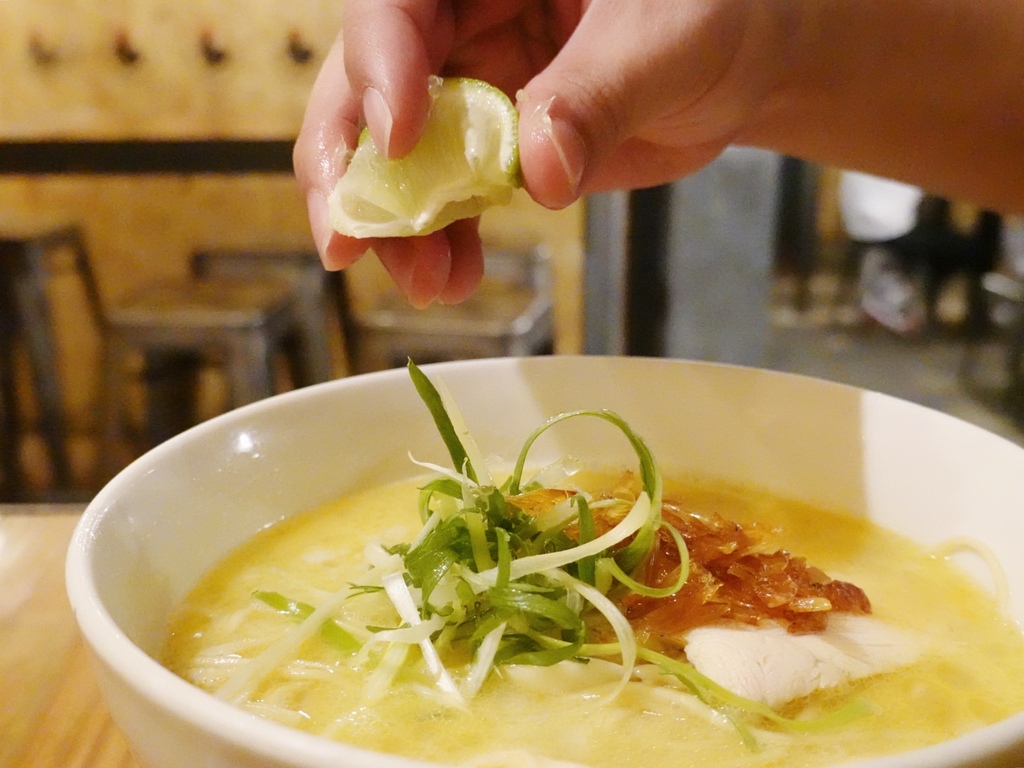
<point>145,157</point>
<point>646,271</point>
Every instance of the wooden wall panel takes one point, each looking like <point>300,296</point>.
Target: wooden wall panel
<point>69,72</point>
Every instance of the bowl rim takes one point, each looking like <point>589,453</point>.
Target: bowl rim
<point>200,709</point>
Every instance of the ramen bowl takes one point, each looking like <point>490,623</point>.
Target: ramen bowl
<point>158,526</point>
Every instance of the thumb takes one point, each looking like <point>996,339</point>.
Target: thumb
<point>576,111</point>
<point>624,90</point>
<point>552,153</point>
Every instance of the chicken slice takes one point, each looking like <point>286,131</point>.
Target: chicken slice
<point>770,665</point>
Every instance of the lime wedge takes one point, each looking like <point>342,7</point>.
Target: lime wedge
<point>466,161</point>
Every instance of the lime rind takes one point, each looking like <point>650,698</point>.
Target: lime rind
<point>466,161</point>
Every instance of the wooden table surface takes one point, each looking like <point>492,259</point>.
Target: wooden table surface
<point>51,712</point>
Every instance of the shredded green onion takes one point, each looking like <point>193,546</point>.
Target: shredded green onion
<point>432,399</point>
<point>330,630</point>
<point>642,589</point>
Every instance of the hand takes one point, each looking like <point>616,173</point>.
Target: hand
<point>611,94</point>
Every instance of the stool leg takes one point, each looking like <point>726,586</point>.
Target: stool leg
<point>314,335</point>
<point>113,455</point>
<point>171,379</point>
<point>251,368</point>
<point>11,480</point>
<point>34,308</point>
<point>302,367</point>
<point>88,277</point>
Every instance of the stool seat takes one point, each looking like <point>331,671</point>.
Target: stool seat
<point>493,312</point>
<point>180,325</point>
<point>318,295</point>
<point>180,306</point>
<point>510,314</point>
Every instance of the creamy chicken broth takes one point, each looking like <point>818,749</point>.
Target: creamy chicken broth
<point>969,657</point>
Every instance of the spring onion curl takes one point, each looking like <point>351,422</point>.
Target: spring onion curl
<point>484,583</point>
<point>650,481</point>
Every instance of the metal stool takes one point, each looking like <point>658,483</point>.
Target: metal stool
<point>177,325</point>
<point>317,293</point>
<point>29,257</point>
<point>511,314</point>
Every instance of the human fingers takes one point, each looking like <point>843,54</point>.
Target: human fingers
<point>329,128</point>
<point>419,266</point>
<point>443,266</point>
<point>507,42</point>
<point>636,164</point>
<point>467,261</point>
<point>391,48</point>
<point>676,79</point>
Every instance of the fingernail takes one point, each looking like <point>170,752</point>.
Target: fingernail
<point>340,159</point>
<point>568,146</point>
<point>397,262</point>
<point>378,117</point>
<point>421,286</point>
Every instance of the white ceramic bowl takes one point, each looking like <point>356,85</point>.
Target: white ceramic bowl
<point>151,533</point>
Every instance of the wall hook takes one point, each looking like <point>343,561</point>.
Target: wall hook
<point>40,52</point>
<point>298,50</point>
<point>124,50</point>
<point>213,53</point>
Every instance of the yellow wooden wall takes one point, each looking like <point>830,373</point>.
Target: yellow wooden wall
<point>63,76</point>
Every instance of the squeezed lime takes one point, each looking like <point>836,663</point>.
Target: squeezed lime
<point>466,161</point>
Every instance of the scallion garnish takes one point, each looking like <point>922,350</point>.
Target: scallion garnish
<point>521,592</point>
<point>330,630</point>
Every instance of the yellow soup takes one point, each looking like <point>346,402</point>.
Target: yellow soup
<point>967,674</point>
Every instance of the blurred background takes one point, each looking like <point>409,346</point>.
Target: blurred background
<point>157,267</point>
